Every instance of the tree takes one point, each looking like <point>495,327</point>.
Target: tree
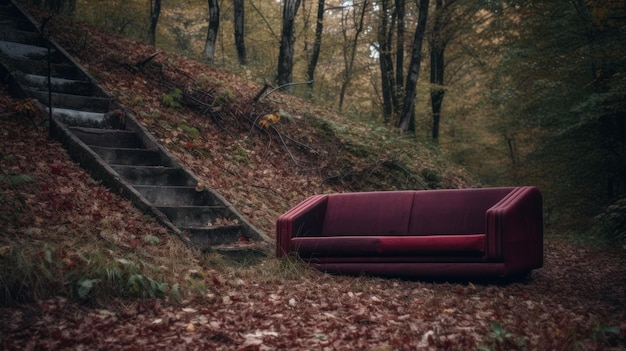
<point>561,89</point>
<point>400,14</point>
<point>214,25</point>
<point>385,60</point>
<point>407,117</point>
<point>317,43</point>
<point>155,11</point>
<point>349,52</point>
<point>287,40</point>
<point>392,20</point>
<point>437,48</point>
<point>238,8</point>
<point>453,20</point>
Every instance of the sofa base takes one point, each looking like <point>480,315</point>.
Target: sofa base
<point>462,246</point>
<point>420,270</point>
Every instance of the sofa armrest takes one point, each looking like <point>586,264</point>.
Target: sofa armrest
<point>304,219</point>
<point>515,230</point>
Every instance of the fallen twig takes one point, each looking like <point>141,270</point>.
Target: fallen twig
<point>283,86</point>
<point>257,97</point>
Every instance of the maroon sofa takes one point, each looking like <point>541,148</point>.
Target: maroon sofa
<point>486,232</point>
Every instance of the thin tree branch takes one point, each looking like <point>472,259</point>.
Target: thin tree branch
<point>264,20</point>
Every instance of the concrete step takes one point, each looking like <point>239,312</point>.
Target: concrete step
<point>80,118</point>
<point>86,119</point>
<point>138,157</point>
<point>154,175</point>
<point>74,102</point>
<point>15,35</point>
<point>29,52</point>
<point>162,196</point>
<point>40,68</point>
<point>58,85</point>
<point>113,138</point>
<point>199,216</point>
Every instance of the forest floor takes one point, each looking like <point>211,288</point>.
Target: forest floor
<point>56,221</point>
<point>576,302</point>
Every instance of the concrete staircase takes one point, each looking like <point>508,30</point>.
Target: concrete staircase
<point>107,140</point>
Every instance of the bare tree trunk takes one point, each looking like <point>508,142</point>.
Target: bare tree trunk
<point>407,118</point>
<point>437,93</point>
<point>240,31</point>
<point>385,61</point>
<point>436,69</point>
<point>155,11</point>
<point>400,14</point>
<point>285,55</point>
<point>214,25</point>
<point>349,56</point>
<point>317,44</point>
<point>438,42</point>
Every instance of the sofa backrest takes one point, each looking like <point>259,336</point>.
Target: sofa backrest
<point>368,213</point>
<point>452,211</point>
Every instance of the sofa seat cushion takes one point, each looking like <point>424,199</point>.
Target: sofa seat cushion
<point>432,245</point>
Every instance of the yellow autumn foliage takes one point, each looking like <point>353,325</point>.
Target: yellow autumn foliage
<point>268,120</point>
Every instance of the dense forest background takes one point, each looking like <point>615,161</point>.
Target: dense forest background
<point>518,92</point>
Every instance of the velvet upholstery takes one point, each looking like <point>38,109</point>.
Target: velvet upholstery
<point>386,213</point>
<point>493,232</point>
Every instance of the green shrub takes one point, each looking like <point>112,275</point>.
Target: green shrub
<point>192,132</point>
<point>611,224</point>
<point>432,178</point>
<point>173,99</point>
<point>224,97</point>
